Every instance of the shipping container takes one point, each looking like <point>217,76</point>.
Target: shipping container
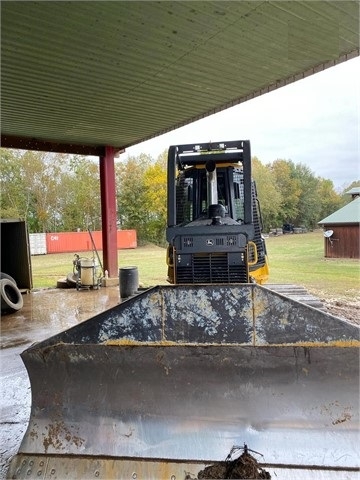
<point>37,243</point>
<point>74,242</point>
<point>126,239</point>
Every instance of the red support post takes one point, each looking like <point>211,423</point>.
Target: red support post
<point>108,212</point>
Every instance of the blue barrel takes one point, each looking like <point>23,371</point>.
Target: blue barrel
<point>128,281</point>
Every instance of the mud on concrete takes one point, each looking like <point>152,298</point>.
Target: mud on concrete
<point>45,313</point>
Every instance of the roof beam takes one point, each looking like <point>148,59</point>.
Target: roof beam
<point>26,143</point>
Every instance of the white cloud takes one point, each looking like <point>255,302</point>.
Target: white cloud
<point>314,121</point>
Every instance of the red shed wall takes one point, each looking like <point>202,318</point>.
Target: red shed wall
<point>344,242</point>
<point>81,242</point>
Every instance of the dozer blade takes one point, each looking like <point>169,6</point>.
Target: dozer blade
<point>169,381</point>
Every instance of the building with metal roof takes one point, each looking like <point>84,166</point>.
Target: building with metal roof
<point>354,192</point>
<point>342,235</point>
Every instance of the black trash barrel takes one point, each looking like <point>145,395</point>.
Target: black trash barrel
<point>128,281</point>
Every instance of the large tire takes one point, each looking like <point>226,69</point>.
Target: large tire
<point>11,298</point>
<point>5,275</point>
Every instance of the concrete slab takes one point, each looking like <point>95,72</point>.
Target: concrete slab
<point>110,282</point>
<point>45,313</point>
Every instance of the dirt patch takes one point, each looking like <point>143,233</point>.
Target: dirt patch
<point>245,467</point>
<point>344,309</point>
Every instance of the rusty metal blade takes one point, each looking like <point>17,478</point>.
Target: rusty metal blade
<point>184,373</point>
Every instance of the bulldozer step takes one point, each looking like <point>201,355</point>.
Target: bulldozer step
<point>298,293</point>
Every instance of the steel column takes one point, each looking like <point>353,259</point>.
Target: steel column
<point>108,211</point>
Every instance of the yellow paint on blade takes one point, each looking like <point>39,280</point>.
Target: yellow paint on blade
<point>127,342</point>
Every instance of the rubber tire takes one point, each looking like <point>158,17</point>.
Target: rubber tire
<point>5,275</point>
<point>11,298</point>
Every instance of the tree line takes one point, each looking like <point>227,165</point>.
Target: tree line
<point>60,192</point>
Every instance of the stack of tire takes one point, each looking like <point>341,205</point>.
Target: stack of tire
<point>11,298</point>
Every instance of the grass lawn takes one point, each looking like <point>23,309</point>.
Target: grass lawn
<point>150,260</point>
<point>297,259</point>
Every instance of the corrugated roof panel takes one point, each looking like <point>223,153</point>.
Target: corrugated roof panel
<point>117,73</point>
<point>345,215</point>
<point>353,191</point>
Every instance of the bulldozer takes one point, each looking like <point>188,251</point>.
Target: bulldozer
<point>214,220</point>
<point>170,382</point>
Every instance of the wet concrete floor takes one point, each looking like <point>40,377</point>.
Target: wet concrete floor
<point>45,313</point>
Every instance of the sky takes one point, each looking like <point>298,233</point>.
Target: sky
<point>314,121</point>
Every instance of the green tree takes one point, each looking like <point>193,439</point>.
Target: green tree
<point>155,200</point>
<point>131,194</point>
<point>80,202</point>
<point>289,188</point>
<point>29,187</point>
<point>141,196</point>
<point>269,195</point>
<point>56,192</point>
<point>309,206</point>
<point>330,201</point>
<point>14,202</point>
<point>42,175</point>
<point>51,191</point>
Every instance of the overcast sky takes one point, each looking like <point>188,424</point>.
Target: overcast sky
<point>315,121</point>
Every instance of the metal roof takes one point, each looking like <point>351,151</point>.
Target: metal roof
<point>77,76</point>
<point>345,215</point>
<point>353,191</point>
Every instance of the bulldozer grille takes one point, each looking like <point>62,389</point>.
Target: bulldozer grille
<point>211,268</point>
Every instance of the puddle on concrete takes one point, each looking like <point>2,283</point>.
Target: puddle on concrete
<point>45,313</point>
<point>48,312</point>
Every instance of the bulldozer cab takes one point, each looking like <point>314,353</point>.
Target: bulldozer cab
<point>214,219</point>
<point>192,197</point>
